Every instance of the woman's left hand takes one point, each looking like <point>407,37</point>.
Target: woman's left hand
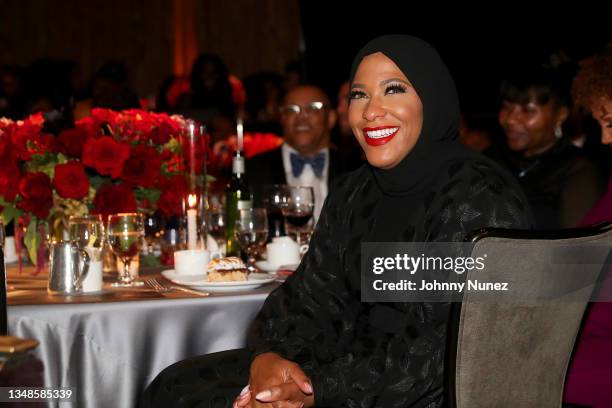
<point>287,395</point>
<point>281,396</point>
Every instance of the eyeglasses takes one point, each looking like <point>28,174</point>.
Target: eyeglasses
<point>312,107</point>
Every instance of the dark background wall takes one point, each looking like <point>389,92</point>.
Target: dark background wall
<point>254,35</point>
<point>250,35</point>
<point>477,44</point>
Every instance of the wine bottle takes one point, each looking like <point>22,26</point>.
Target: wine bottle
<point>238,197</point>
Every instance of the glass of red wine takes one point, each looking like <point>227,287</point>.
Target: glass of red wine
<point>251,232</point>
<point>297,209</point>
<point>274,196</point>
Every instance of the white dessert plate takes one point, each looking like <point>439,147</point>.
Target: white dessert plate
<point>265,266</point>
<point>199,282</point>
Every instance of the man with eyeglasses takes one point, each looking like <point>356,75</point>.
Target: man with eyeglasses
<point>305,159</point>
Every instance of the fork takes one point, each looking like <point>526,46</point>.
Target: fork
<point>158,287</point>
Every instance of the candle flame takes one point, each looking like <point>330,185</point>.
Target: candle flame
<point>240,133</point>
<point>192,200</point>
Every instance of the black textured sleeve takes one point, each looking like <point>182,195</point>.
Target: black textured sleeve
<point>296,314</point>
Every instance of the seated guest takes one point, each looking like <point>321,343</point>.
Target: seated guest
<point>315,342</point>
<point>560,181</point>
<point>589,379</point>
<point>210,86</point>
<point>305,159</point>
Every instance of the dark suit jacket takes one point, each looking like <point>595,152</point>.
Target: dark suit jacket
<point>267,168</point>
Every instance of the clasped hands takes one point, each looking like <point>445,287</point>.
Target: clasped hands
<point>276,382</point>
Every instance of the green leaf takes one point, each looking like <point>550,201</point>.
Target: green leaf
<point>10,213</point>
<point>150,194</point>
<point>97,181</point>
<point>173,145</point>
<point>43,163</point>
<point>62,159</point>
<point>4,203</point>
<point>31,240</point>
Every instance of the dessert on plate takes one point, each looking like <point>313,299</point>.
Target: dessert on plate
<point>230,269</point>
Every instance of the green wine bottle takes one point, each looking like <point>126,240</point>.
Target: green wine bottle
<point>238,197</point>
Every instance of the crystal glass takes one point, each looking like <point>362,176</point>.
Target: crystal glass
<point>216,201</point>
<point>216,227</point>
<point>154,230</point>
<point>86,230</point>
<point>297,208</point>
<point>251,233</point>
<point>125,233</point>
<point>274,196</point>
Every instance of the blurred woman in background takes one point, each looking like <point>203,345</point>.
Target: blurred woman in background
<point>560,181</point>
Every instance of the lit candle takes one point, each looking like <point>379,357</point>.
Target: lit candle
<point>240,133</point>
<point>192,234</point>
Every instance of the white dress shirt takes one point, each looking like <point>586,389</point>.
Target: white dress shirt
<point>308,178</point>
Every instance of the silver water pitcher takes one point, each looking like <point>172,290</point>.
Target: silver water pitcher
<point>68,267</point>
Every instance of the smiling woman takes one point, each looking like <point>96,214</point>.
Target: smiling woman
<point>385,112</point>
<point>315,341</point>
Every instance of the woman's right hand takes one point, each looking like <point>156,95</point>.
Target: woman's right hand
<point>269,370</point>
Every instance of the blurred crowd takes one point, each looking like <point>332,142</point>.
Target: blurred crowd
<point>545,134</point>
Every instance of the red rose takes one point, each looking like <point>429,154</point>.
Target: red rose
<point>71,141</point>
<point>23,137</point>
<point>90,125</point>
<point>142,168</point>
<point>70,180</point>
<point>9,180</point>
<point>160,134</point>
<point>36,194</point>
<point>104,115</point>
<point>105,155</point>
<point>6,147</point>
<point>113,199</point>
<point>173,192</point>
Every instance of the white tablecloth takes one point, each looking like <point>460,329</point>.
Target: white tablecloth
<point>109,352</point>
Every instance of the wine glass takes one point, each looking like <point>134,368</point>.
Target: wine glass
<point>216,227</point>
<point>273,197</point>
<point>154,229</point>
<point>251,233</point>
<point>86,230</point>
<point>297,208</point>
<point>125,233</point>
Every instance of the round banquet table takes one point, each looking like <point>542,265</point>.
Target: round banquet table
<point>107,348</point>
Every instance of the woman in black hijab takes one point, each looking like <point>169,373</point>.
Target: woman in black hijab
<point>315,342</point>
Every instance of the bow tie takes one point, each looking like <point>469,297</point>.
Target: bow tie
<point>317,162</point>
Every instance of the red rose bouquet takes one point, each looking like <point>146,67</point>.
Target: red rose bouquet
<point>107,163</point>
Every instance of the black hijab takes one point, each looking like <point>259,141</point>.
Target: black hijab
<point>434,85</point>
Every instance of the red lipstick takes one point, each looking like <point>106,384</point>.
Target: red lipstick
<point>378,136</point>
